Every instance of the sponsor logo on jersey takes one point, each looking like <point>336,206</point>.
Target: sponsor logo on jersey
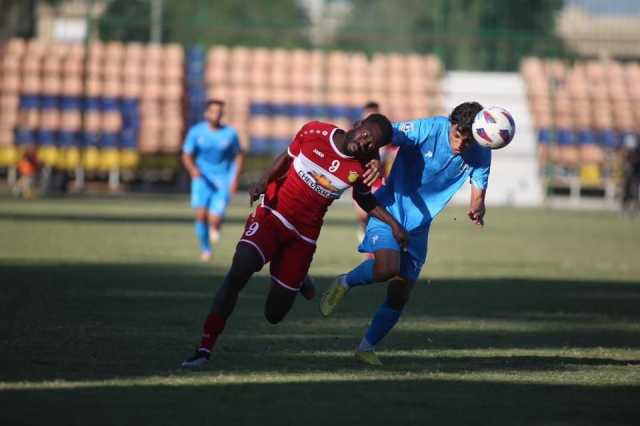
<point>318,152</point>
<point>313,182</point>
<point>428,154</point>
<point>406,126</point>
<point>353,176</point>
<point>323,181</point>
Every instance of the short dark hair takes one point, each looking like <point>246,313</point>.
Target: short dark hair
<point>214,101</point>
<point>371,105</point>
<point>383,124</point>
<point>463,116</point>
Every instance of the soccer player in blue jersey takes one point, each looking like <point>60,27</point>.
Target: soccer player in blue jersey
<point>436,156</point>
<point>212,155</point>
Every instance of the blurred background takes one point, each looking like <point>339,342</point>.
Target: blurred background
<point>102,92</point>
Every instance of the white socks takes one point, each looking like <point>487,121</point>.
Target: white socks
<point>343,282</point>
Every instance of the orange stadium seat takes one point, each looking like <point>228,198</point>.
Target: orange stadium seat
<point>93,87</point>
<point>71,86</point>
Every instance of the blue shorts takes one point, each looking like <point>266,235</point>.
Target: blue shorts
<point>378,236</point>
<point>206,194</point>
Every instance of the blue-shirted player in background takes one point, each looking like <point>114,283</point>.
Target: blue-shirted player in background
<point>212,155</point>
<point>436,156</point>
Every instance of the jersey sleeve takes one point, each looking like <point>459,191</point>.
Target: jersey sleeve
<point>189,145</point>
<point>294,147</point>
<point>480,174</point>
<point>413,132</point>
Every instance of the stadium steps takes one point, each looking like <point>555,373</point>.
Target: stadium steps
<point>514,176</point>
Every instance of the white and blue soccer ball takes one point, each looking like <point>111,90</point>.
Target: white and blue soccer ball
<point>493,127</point>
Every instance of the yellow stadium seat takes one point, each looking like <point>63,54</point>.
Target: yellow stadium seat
<point>590,175</point>
<point>109,159</point>
<point>9,155</point>
<point>70,158</point>
<point>128,158</point>
<point>91,158</point>
<point>48,155</point>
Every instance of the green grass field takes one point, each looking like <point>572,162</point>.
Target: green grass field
<point>534,320</point>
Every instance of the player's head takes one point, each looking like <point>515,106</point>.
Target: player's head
<point>461,119</point>
<point>214,111</point>
<point>369,108</point>
<point>368,135</point>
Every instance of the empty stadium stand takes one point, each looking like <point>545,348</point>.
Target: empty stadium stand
<point>106,105</point>
<point>583,113</point>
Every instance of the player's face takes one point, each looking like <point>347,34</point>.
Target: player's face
<point>214,113</point>
<point>363,139</point>
<point>459,141</point>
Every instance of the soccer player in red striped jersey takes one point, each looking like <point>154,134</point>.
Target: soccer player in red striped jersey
<point>321,163</point>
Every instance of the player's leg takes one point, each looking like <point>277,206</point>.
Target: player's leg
<point>289,274</point>
<point>398,292</point>
<point>384,319</point>
<point>384,266</point>
<point>253,250</point>
<point>200,195</point>
<point>202,233</point>
<point>217,206</point>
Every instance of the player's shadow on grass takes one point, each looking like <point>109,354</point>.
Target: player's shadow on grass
<point>95,321</point>
<point>401,401</point>
<point>151,218</point>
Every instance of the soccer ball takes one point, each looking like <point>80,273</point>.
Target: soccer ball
<point>493,127</point>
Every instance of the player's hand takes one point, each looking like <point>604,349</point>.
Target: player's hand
<point>372,173</point>
<point>401,236</point>
<point>476,215</point>
<point>234,186</point>
<point>256,191</point>
<point>195,173</point>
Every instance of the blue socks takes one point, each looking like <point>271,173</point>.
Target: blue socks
<point>202,232</point>
<point>361,274</point>
<point>383,321</point>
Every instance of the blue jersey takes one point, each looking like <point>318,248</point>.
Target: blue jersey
<point>426,173</point>
<point>214,150</point>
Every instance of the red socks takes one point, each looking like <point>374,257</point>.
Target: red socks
<point>211,329</point>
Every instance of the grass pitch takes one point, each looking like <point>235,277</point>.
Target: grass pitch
<point>532,320</point>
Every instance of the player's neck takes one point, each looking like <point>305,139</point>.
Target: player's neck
<point>340,142</point>
<point>215,125</point>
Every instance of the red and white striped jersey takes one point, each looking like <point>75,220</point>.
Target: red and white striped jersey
<point>318,175</point>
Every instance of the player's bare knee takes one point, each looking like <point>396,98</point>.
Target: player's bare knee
<point>398,302</point>
<point>384,271</point>
<point>246,259</point>
<point>398,293</point>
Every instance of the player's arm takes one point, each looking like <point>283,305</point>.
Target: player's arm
<point>237,169</point>
<point>188,152</point>
<point>238,162</point>
<point>277,170</point>
<point>367,202</point>
<point>479,181</point>
<point>190,165</point>
<point>477,208</point>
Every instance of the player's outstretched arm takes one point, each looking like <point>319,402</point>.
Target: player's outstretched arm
<point>477,208</point>
<point>277,170</point>
<point>368,203</point>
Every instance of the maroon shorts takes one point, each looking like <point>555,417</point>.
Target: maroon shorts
<point>280,243</point>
